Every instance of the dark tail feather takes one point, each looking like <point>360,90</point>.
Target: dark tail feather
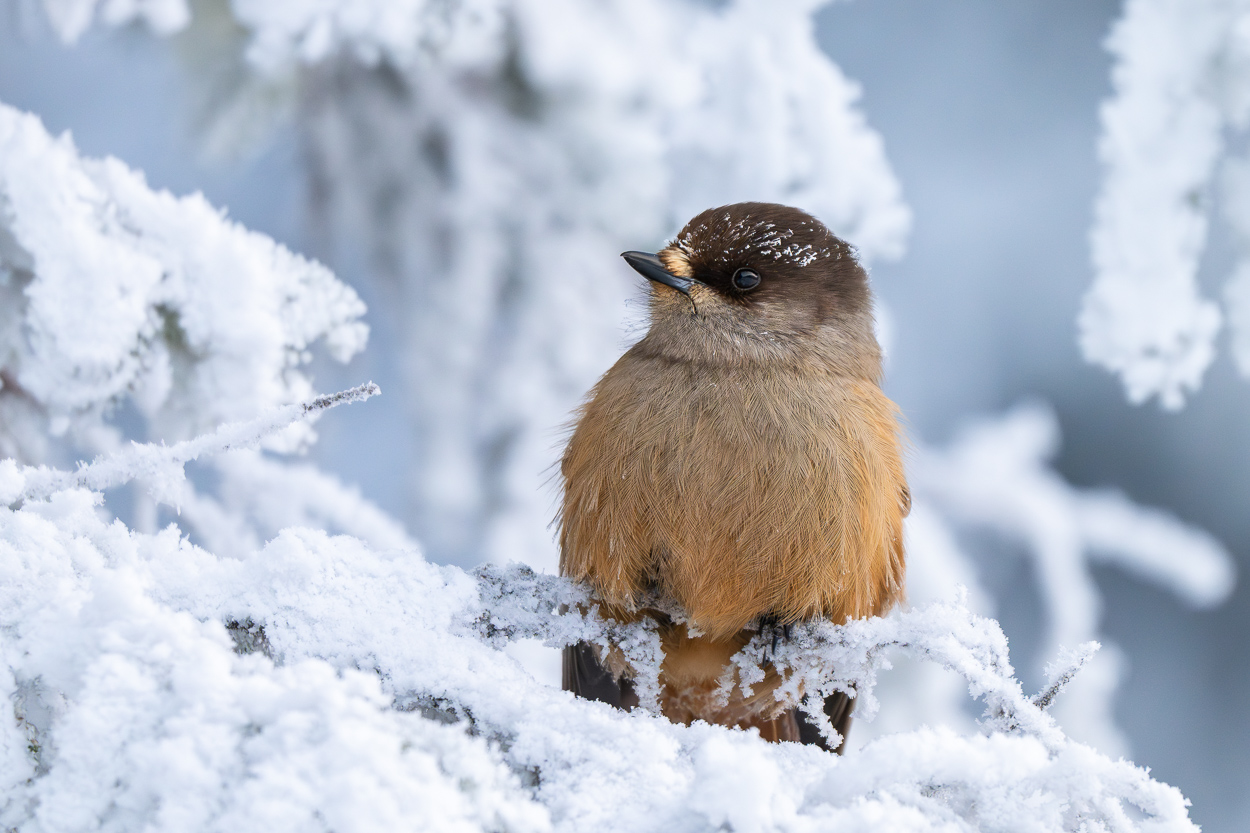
<point>838,708</point>
<point>586,677</point>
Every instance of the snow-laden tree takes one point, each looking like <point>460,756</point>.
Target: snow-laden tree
<point>118,299</point>
<point>1173,139</point>
<point>493,156</point>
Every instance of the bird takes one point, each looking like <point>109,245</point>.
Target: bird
<point>739,464</point>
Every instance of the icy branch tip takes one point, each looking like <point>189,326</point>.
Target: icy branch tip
<point>344,397</point>
<point>1062,670</point>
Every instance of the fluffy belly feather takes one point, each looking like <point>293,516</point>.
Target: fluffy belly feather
<point>737,493</point>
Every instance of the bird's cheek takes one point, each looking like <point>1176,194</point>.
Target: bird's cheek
<point>704,298</point>
<point>667,299</point>
<point>779,318</point>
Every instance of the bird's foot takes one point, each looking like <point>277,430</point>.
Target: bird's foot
<point>776,631</point>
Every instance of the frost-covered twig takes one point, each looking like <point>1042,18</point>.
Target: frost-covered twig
<point>821,658</point>
<point>816,658</point>
<point>162,465</point>
<point>519,603</point>
<point>997,475</point>
<point>1062,670</point>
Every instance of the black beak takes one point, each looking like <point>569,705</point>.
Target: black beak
<point>650,267</point>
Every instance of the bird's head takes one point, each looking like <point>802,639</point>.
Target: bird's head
<point>760,281</point>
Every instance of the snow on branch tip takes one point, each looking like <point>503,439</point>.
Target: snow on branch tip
<point>159,465</point>
<point>1060,672</point>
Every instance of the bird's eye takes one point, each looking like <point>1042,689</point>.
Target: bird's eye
<point>745,279</point>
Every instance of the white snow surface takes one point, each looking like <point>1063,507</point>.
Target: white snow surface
<point>1181,103</point>
<point>380,700</point>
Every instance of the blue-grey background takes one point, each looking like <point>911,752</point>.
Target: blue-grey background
<point>989,114</point>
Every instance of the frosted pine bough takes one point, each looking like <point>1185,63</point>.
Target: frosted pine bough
<point>113,291</point>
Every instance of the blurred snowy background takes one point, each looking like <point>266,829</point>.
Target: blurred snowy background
<point>472,176</point>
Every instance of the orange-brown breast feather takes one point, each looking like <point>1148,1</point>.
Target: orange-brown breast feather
<point>738,490</point>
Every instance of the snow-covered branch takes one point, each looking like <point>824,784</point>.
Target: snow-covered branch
<point>997,476</point>
<point>161,467</point>
<point>114,296</point>
<point>815,657</point>
<point>111,292</point>
<point>1182,87</point>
